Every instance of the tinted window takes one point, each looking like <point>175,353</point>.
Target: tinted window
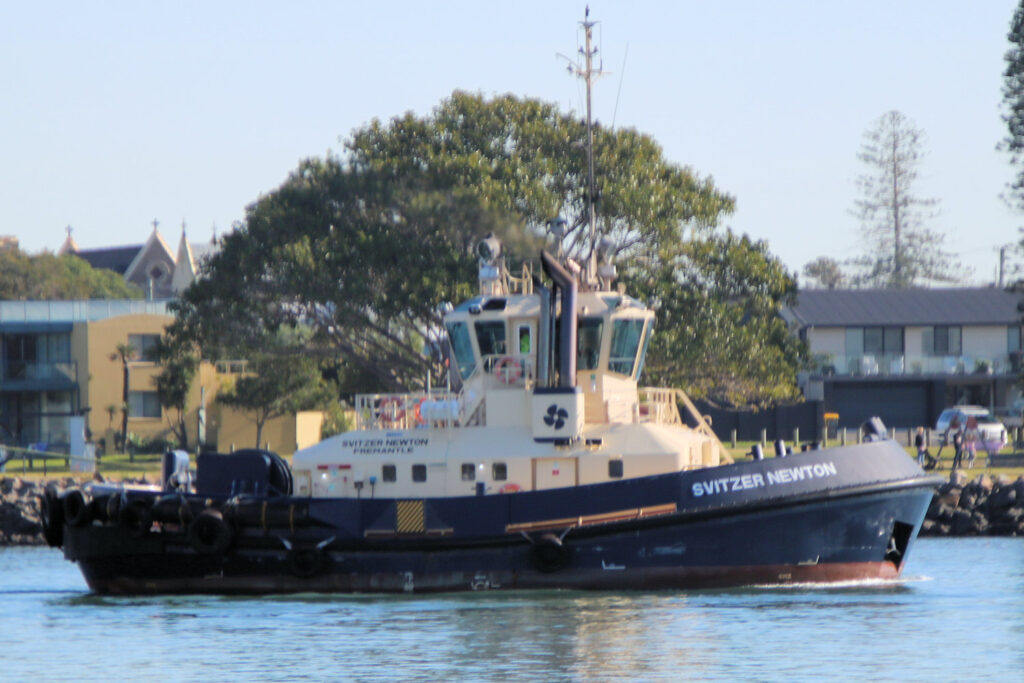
<point>615,469</point>
<point>468,471</point>
<point>458,334</point>
<point>419,472</point>
<point>625,342</point>
<point>490,337</point>
<point>588,343</point>
<point>388,473</point>
<point>499,472</point>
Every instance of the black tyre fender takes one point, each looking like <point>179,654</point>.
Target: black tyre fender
<point>549,554</point>
<point>306,562</point>
<point>209,533</point>
<point>51,513</point>
<point>136,516</point>
<point>77,507</point>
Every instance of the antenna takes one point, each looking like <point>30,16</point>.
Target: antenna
<point>586,71</point>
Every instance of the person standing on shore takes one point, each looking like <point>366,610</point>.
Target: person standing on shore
<point>919,441</point>
<point>971,441</point>
<point>958,448</point>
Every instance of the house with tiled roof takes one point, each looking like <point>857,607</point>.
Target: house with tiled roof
<point>905,354</point>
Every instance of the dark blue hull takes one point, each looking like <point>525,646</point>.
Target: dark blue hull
<point>823,516</point>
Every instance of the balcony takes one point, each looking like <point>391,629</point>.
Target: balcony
<point>22,375</point>
<point>898,364</point>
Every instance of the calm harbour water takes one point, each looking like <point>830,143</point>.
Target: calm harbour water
<point>957,615</point>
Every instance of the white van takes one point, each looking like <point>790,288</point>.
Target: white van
<point>993,433</point>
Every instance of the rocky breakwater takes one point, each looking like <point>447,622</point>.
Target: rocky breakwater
<point>20,522</point>
<point>985,506</point>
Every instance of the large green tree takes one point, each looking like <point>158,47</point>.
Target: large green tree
<point>46,276</point>
<point>360,248</point>
<point>178,364</point>
<point>719,333</point>
<point>1013,103</point>
<point>900,250</point>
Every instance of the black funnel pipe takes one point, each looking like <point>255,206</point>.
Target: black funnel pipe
<point>566,285</point>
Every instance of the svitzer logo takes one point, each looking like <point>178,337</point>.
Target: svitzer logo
<point>556,416</point>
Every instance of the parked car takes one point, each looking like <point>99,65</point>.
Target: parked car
<point>992,432</point>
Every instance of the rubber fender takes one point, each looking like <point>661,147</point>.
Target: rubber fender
<point>78,508</point>
<point>306,562</point>
<point>209,533</point>
<point>549,554</point>
<point>51,513</point>
<point>136,516</point>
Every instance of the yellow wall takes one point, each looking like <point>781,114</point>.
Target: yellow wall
<point>284,434</point>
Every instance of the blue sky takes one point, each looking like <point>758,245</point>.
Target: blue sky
<point>114,114</point>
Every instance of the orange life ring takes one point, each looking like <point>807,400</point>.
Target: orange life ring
<point>416,412</point>
<point>510,488</point>
<point>391,410</point>
<point>508,370</point>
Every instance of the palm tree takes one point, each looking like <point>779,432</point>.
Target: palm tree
<point>124,353</point>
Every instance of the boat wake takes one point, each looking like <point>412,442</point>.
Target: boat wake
<point>855,584</point>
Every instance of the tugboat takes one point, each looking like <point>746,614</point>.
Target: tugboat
<point>541,464</point>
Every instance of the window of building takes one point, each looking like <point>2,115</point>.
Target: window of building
<point>144,345</point>
<point>1013,339</point>
<point>499,471</point>
<point>873,340</point>
<point>942,340</point>
<point>388,473</point>
<point>468,471</point>
<point>419,472</point>
<point>143,404</point>
<point>615,469</point>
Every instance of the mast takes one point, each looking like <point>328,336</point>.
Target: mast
<point>587,73</point>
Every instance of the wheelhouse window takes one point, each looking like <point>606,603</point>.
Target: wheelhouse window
<point>490,337</point>
<point>524,334</point>
<point>468,471</point>
<point>388,473</point>
<point>1013,344</point>
<point>626,335</point>
<point>588,343</point>
<point>458,334</point>
<point>499,471</point>
<point>419,472</point>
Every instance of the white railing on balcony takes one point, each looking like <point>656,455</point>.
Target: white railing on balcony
<point>895,364</point>
<point>77,311</point>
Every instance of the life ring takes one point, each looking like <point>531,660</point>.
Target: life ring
<point>209,533</point>
<point>508,370</point>
<point>77,508</point>
<point>549,554</point>
<point>510,488</point>
<point>391,410</point>
<point>305,562</point>
<point>137,517</point>
<point>417,412</point>
<point>51,513</point>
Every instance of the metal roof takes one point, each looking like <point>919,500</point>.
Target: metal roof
<point>867,307</point>
<point>116,259</point>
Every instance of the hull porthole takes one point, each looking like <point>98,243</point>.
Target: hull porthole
<point>209,533</point>
<point>549,554</point>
